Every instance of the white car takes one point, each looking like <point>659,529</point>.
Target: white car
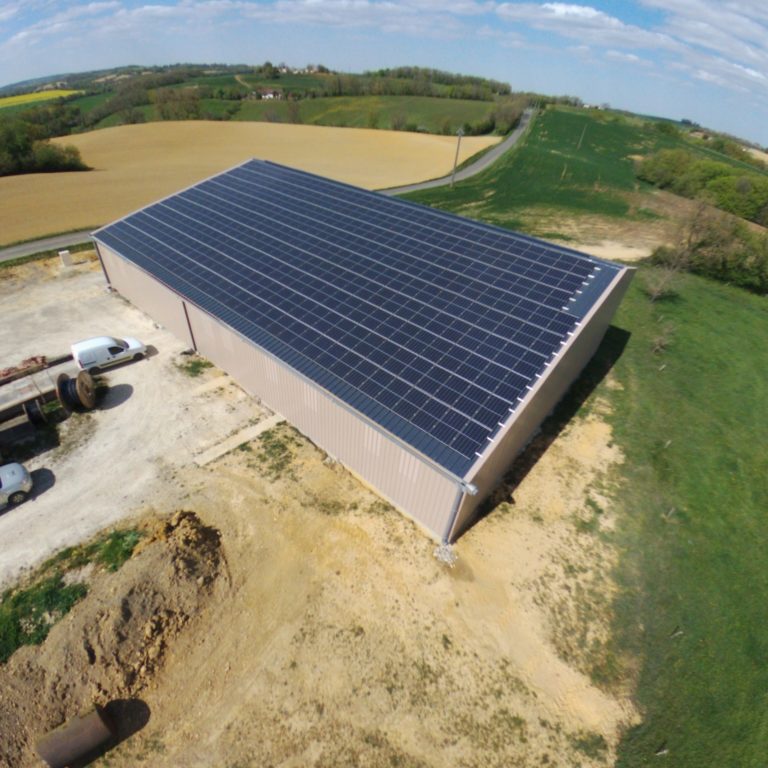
<point>15,484</point>
<point>103,351</point>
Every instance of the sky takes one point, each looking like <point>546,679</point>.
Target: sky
<point>702,60</point>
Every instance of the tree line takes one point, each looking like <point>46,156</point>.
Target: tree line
<point>24,149</point>
<point>737,190</point>
<point>422,81</point>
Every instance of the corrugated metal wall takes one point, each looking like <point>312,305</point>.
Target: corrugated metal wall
<point>490,469</point>
<point>413,485</point>
<point>160,303</point>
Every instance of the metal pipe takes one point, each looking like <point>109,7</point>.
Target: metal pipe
<point>76,738</point>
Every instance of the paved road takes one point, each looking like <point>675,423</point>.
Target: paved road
<point>481,164</point>
<point>46,244</point>
<point>490,157</point>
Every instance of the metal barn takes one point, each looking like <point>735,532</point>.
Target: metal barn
<point>420,349</point>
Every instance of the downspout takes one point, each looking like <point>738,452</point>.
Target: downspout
<point>463,489</point>
<point>103,268</point>
<point>189,325</point>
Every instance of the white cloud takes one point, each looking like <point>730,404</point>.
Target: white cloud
<point>413,17</point>
<point>565,10</point>
<point>628,58</point>
<point>10,10</point>
<point>586,24</point>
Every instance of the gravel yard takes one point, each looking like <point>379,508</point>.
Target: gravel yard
<point>123,457</point>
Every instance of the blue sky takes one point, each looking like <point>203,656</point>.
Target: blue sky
<point>705,60</point>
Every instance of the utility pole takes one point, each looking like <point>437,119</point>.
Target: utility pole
<point>459,133</point>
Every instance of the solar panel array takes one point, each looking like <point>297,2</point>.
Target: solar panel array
<point>433,326</point>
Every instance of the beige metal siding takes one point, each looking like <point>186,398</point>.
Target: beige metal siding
<point>145,292</point>
<point>410,483</point>
<point>545,395</point>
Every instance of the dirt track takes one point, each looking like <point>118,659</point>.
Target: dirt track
<point>137,164</point>
<point>339,640</point>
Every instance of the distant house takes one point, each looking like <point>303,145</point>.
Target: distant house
<point>269,93</point>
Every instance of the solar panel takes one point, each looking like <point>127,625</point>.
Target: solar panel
<point>433,326</point>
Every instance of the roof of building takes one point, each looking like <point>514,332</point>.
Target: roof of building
<point>433,326</point>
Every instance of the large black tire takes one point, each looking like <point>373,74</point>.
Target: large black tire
<point>93,371</point>
<point>17,498</point>
<point>35,413</point>
<point>62,390</point>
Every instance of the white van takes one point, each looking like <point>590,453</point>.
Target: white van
<point>103,351</point>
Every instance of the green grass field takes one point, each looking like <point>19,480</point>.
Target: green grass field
<point>87,103</point>
<point>691,419</point>
<point>287,83</point>
<point>213,81</point>
<point>576,160</point>
<point>387,112</point>
<point>429,114</point>
<point>116,118</point>
<point>692,423</point>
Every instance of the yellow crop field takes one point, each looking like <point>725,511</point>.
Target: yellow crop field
<point>32,98</point>
<point>136,164</point>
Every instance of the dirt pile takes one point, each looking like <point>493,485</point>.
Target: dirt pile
<point>111,644</point>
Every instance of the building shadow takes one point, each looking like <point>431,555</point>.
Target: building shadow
<point>114,396</point>
<point>608,353</point>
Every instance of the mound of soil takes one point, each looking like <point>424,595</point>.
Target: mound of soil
<point>113,642</point>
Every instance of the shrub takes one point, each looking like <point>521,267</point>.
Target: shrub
<point>719,246</point>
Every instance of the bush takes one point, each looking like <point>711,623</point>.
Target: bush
<point>21,152</point>
<point>741,192</point>
<point>719,246</point>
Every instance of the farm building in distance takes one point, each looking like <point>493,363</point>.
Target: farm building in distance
<point>420,349</point>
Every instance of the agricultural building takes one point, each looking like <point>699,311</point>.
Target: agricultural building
<point>420,349</point>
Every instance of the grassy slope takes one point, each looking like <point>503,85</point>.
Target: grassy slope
<point>287,83</point>
<point>430,114</point>
<point>695,582</point>
<point>87,103</point>
<point>572,159</point>
<point>696,579</point>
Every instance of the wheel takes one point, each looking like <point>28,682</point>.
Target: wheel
<point>34,412</point>
<point>93,371</point>
<point>138,356</point>
<point>85,390</point>
<point>61,392</point>
<point>17,498</point>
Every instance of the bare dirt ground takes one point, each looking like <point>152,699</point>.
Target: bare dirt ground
<point>135,165</point>
<point>654,219</point>
<point>335,638</point>
<point>108,648</point>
